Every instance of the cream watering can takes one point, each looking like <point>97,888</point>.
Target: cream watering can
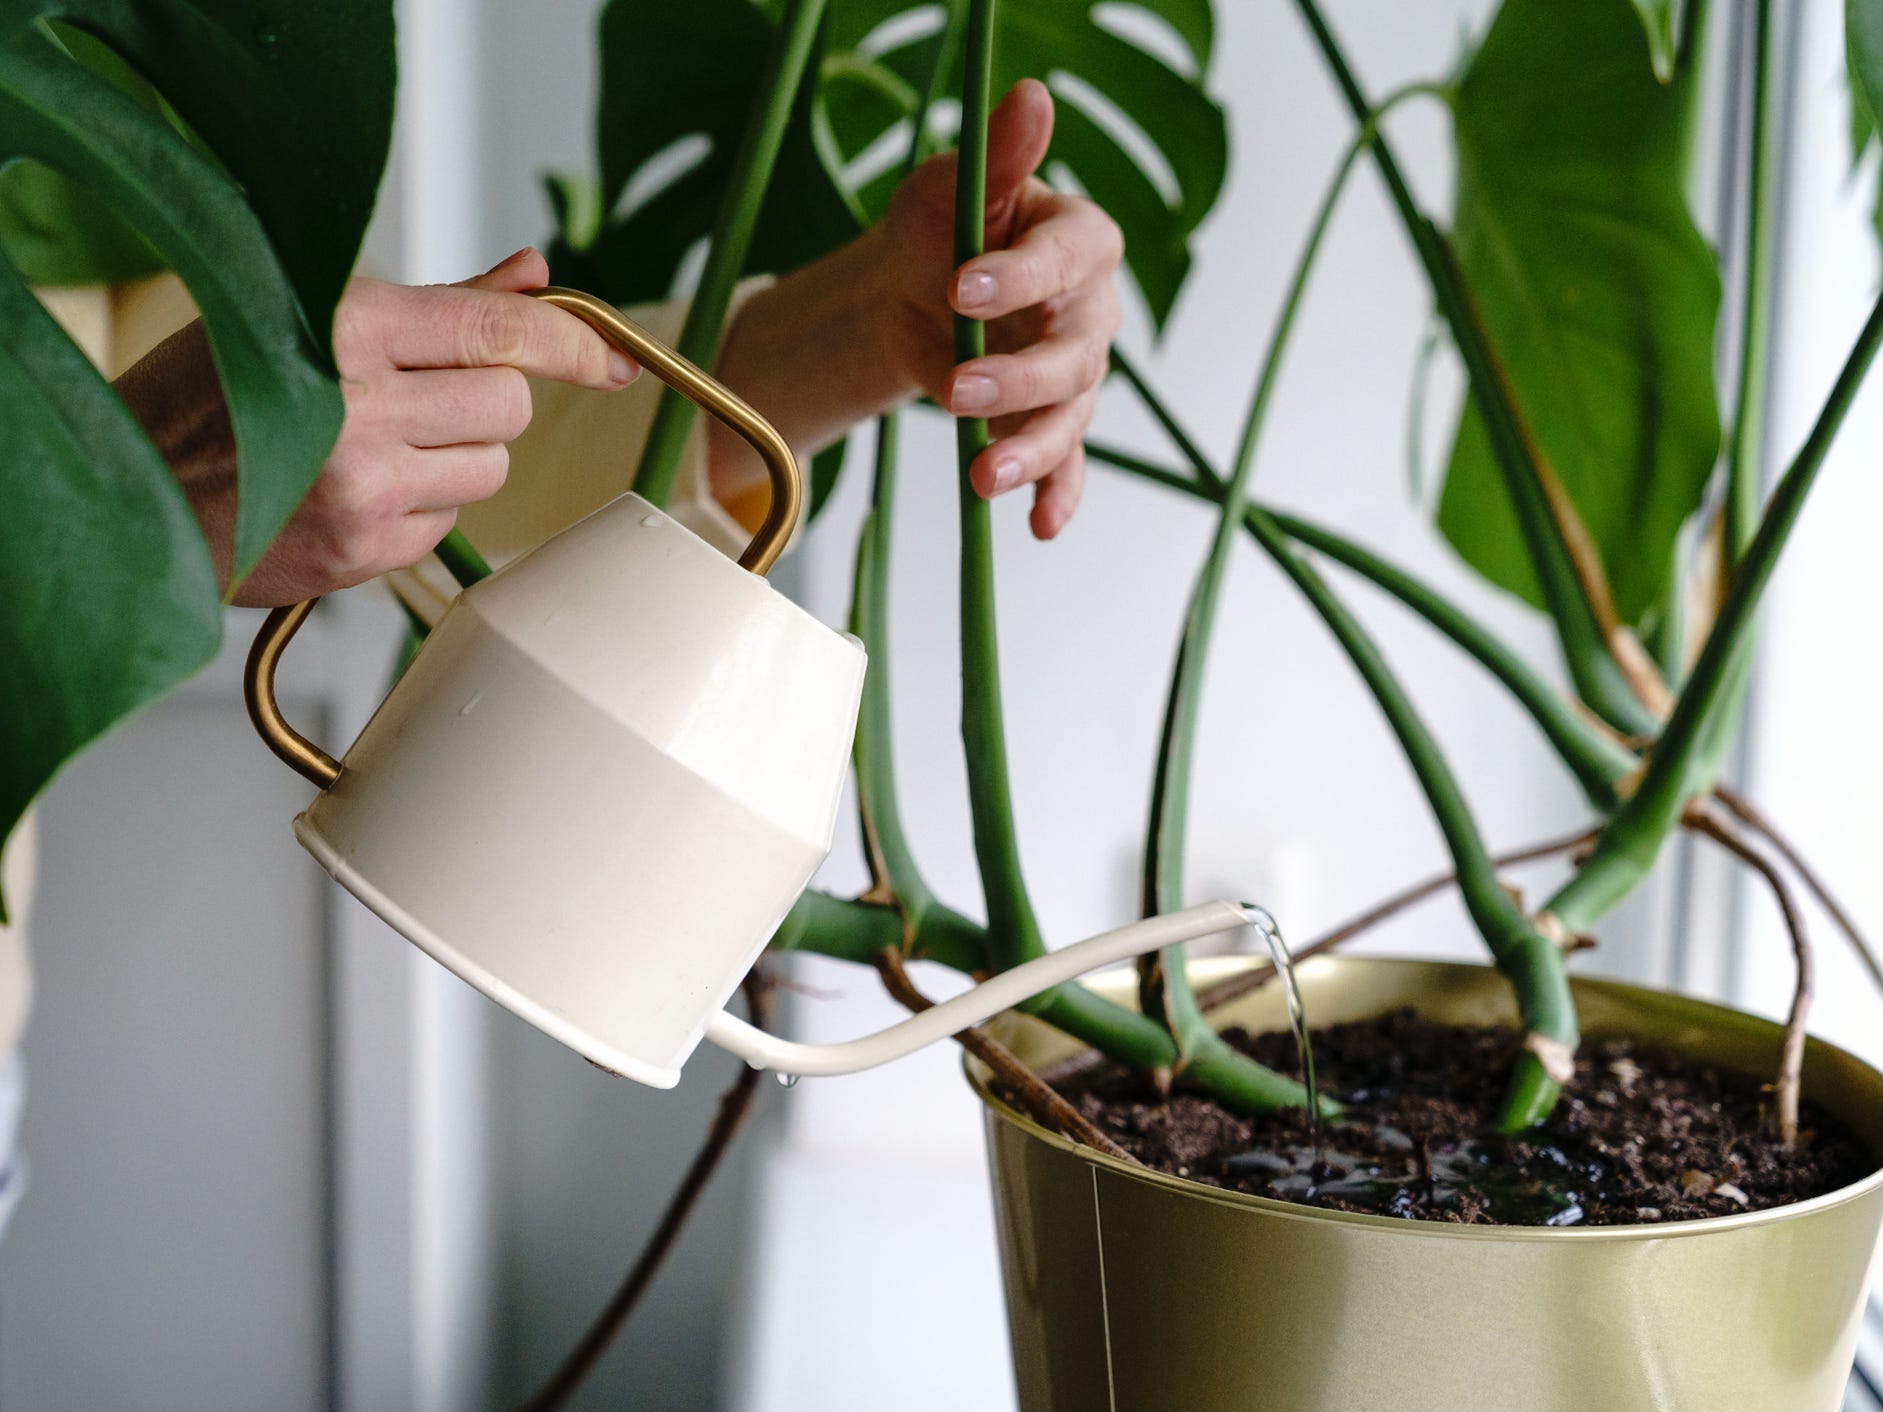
<point>612,768</point>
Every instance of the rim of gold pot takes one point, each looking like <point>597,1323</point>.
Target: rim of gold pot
<point>1858,1081</point>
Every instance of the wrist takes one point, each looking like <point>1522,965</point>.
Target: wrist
<point>884,325</point>
<point>814,354</point>
<point>176,396</point>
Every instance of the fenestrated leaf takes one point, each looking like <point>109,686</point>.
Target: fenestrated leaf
<point>1152,146</point>
<point>107,597</point>
<point>1863,56</point>
<point>1599,294</point>
<point>1661,19</point>
<point>826,466</point>
<point>676,84</point>
<point>674,74</point>
<point>1863,45</point>
<point>295,101</point>
<point>55,231</point>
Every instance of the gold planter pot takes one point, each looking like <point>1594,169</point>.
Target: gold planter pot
<point>1139,1292</point>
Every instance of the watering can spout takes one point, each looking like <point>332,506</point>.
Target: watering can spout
<point>1010,988</point>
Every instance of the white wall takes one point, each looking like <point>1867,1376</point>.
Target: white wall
<point>198,1134</point>
<point>176,1113</point>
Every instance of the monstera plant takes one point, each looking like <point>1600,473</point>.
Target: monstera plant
<point>241,145</point>
<point>1571,279</point>
<point>1591,472</point>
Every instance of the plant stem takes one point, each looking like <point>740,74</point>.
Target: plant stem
<point>1532,963</point>
<point>1791,1063</point>
<point>1204,485</point>
<point>1163,981</point>
<point>1746,448</point>
<point>1755,819</point>
<point>1569,595</point>
<point>863,932</point>
<point>1255,978</point>
<point>947,50</point>
<point>1597,759</point>
<point>1180,438</point>
<point>1025,1089</point>
<point>732,237</point>
<point>1013,930</point>
<point>1748,434</point>
<point>462,561</point>
<point>1232,1078</point>
<point>1529,960</point>
<point>1632,839</point>
<point>896,880</point>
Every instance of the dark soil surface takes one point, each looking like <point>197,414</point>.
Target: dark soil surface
<point>1636,1138</point>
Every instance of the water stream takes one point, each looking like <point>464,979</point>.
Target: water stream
<point>1399,1171</point>
<point>1264,924</point>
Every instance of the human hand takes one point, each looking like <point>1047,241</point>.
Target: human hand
<point>1045,285</point>
<point>435,382</point>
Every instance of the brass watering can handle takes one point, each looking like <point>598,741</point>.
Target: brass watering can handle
<point>781,517</point>
<point>787,482</point>
<point>258,690</point>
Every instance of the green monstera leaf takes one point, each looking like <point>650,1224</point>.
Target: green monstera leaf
<point>107,594</point>
<point>1863,52</point>
<point>55,231</point>
<point>1137,132</point>
<point>1661,19</point>
<point>676,84</point>
<point>1599,294</point>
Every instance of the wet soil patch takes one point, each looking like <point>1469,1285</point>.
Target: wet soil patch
<point>1638,1137</point>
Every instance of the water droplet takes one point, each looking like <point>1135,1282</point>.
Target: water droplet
<point>652,521</point>
<point>470,705</point>
<point>788,1080</point>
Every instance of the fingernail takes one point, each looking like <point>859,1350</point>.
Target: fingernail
<point>1006,473</point>
<point>976,291</point>
<point>973,393</point>
<point>622,369</point>
<point>509,260</point>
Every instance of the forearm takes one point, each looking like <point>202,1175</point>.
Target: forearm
<point>175,396</point>
<point>814,355</point>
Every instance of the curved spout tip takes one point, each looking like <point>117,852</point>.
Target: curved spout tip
<point>1259,917</point>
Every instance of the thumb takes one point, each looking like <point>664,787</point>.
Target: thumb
<point>1019,131</point>
<point>526,269</point>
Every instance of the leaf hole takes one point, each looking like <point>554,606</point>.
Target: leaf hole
<point>902,30</point>
<point>1143,28</point>
<point>660,172</point>
<point>1119,126</point>
<point>887,150</point>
